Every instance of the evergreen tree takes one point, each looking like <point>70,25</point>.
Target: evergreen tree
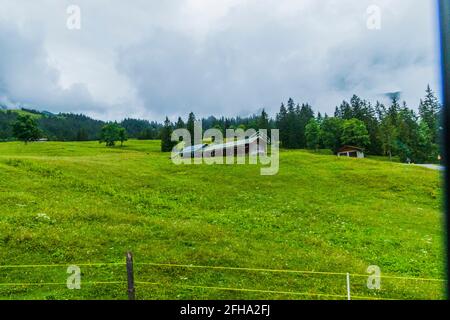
<point>358,108</point>
<point>429,110</point>
<point>363,111</point>
<point>180,124</point>
<point>319,117</point>
<point>263,120</point>
<point>407,135</point>
<point>345,111</point>
<point>306,114</point>
<point>337,113</point>
<point>282,126</point>
<point>166,136</point>
<point>227,124</point>
<point>388,135</point>
<point>388,127</point>
<point>426,150</point>
<point>292,126</point>
<point>393,111</point>
<point>373,127</point>
<point>380,110</point>
<point>190,126</point>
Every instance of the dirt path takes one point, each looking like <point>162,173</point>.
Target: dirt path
<point>432,166</point>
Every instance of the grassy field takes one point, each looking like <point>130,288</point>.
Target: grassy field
<point>81,203</point>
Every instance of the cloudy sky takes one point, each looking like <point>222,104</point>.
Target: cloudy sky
<point>151,58</point>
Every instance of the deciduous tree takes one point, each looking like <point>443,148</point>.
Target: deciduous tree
<point>26,129</point>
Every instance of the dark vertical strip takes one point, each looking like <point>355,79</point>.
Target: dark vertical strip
<point>444,16</point>
<point>130,277</point>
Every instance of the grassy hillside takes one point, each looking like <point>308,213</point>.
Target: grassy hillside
<point>78,203</point>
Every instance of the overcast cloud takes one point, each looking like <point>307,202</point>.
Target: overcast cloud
<point>149,59</point>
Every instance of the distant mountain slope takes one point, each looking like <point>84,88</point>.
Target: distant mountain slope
<point>62,127</point>
<point>72,127</point>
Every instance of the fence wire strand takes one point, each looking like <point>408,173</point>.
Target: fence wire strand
<point>260,291</point>
<point>29,284</point>
<point>284,271</point>
<point>217,268</point>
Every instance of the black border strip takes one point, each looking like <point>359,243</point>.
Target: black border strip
<point>444,17</point>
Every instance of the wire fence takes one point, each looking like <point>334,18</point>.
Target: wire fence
<point>142,283</point>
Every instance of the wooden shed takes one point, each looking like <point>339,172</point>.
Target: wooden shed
<point>351,152</point>
<point>255,144</point>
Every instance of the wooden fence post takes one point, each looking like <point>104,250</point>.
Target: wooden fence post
<point>130,276</point>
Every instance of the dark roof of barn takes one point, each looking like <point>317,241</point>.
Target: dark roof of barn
<point>350,148</point>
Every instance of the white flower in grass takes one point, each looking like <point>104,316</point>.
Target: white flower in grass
<point>43,216</point>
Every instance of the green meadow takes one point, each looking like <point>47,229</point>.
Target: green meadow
<point>83,204</point>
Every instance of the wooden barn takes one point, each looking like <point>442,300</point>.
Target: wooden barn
<point>351,152</point>
<point>255,144</point>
